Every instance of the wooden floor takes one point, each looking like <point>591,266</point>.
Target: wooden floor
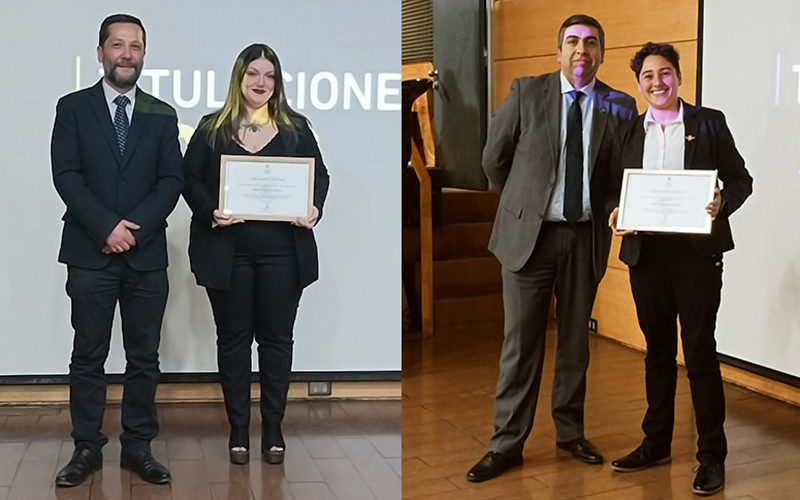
<point>335,451</point>
<point>448,389</point>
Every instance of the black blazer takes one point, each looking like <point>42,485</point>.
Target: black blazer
<point>100,187</point>
<point>712,148</point>
<point>211,250</point>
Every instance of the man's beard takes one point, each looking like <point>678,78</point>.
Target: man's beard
<point>110,71</point>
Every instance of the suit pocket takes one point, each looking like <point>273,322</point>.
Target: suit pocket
<point>512,205</point>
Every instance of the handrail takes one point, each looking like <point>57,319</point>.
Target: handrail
<point>426,247</point>
<point>420,161</point>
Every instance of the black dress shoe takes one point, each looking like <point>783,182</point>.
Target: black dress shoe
<point>640,459</point>
<point>710,478</point>
<point>492,465</point>
<point>146,467</point>
<point>83,462</point>
<point>582,450</point>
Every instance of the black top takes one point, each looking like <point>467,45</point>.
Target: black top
<point>256,237</point>
<point>212,250</point>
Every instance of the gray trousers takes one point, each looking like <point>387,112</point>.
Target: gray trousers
<point>561,259</point>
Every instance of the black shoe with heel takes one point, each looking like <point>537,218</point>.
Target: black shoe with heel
<point>272,437</point>
<point>239,438</point>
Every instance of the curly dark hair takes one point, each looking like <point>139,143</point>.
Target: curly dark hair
<point>664,50</point>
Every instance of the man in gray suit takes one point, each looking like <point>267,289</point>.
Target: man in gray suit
<point>548,154</point>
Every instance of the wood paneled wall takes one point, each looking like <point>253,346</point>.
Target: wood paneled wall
<point>526,40</point>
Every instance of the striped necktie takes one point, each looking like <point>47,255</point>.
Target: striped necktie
<point>121,123</point>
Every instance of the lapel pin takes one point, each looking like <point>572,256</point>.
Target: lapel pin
<point>690,138</point>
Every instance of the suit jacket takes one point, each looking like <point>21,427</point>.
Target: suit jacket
<point>100,187</point>
<point>712,148</point>
<point>211,249</point>
<point>521,157</point>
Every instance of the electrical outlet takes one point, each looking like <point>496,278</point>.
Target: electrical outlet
<point>319,388</point>
<point>593,325</point>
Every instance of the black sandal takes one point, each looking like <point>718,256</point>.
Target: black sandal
<point>239,438</point>
<point>273,457</point>
<point>271,437</point>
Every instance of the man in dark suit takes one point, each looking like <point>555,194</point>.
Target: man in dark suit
<point>679,275</point>
<point>117,166</point>
<point>547,154</point>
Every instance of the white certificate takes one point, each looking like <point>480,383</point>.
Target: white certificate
<point>266,187</point>
<point>667,201</point>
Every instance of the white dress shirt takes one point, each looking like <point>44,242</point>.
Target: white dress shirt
<point>555,209</point>
<point>112,94</point>
<point>664,148</point>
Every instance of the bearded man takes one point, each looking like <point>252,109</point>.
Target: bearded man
<point>117,166</point>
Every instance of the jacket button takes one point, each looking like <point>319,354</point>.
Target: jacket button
<point>719,264</point>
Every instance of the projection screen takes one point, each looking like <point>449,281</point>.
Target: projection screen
<point>751,71</point>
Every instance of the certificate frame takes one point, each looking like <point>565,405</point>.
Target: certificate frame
<point>628,211</point>
<point>256,162</point>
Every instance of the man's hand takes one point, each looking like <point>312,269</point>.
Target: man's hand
<point>121,238</point>
<point>713,207</point>
<point>224,219</point>
<point>612,223</point>
<point>307,222</point>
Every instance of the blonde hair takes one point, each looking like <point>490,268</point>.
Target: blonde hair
<point>224,124</point>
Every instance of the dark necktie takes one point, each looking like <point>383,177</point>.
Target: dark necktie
<point>121,121</point>
<point>573,178</point>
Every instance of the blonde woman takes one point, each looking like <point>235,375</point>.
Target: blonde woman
<point>254,272</point>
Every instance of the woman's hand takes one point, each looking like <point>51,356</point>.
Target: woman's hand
<point>612,223</point>
<point>307,222</point>
<point>225,220</point>
<point>713,207</point>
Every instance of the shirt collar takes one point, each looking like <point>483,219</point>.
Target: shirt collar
<point>112,94</point>
<point>648,117</point>
<point>566,87</point>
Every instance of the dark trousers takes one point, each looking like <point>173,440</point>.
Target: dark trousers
<point>261,304</point>
<point>671,281</point>
<point>562,259</point>
<point>142,298</point>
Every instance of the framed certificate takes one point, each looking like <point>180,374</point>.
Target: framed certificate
<point>666,201</point>
<point>266,187</point>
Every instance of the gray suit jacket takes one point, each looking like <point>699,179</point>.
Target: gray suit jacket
<point>521,158</point>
